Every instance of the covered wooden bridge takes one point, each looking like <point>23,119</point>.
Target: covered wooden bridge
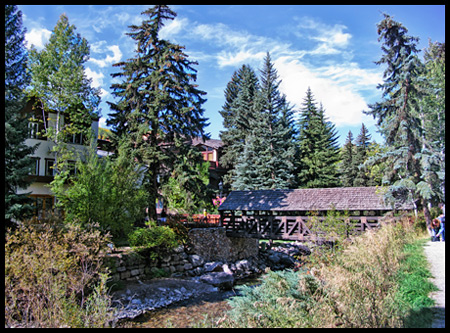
<point>298,214</point>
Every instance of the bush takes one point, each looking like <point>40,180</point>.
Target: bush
<point>105,191</point>
<point>54,277</point>
<point>284,299</point>
<point>158,239</point>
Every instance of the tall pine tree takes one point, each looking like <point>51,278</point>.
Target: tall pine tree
<point>398,113</point>
<point>237,111</point>
<point>362,177</point>
<point>347,167</point>
<point>318,149</point>
<point>269,151</point>
<point>160,107</point>
<point>18,164</point>
<point>432,108</point>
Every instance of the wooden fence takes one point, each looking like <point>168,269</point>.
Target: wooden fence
<point>294,227</point>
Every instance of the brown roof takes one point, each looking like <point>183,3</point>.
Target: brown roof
<point>213,143</point>
<point>341,198</point>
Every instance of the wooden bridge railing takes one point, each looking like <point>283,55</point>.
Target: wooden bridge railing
<point>291,227</point>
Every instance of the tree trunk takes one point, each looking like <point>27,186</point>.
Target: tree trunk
<point>426,213</point>
<point>152,188</point>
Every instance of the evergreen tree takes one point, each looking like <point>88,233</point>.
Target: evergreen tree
<point>347,166</point>
<point>18,164</point>
<point>160,106</point>
<point>398,114</point>
<point>237,112</point>
<point>269,148</point>
<point>362,177</point>
<point>432,108</point>
<point>318,149</point>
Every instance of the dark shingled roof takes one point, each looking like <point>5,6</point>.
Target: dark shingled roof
<point>342,198</point>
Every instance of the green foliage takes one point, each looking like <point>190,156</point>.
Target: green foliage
<point>187,191</point>
<point>160,106</point>
<point>347,165</point>
<point>17,162</point>
<point>409,116</point>
<point>59,82</point>
<point>237,111</point>
<point>378,280</point>
<point>157,239</point>
<point>284,299</point>
<point>104,190</point>
<point>263,149</point>
<point>54,277</point>
<point>415,286</point>
<point>317,146</point>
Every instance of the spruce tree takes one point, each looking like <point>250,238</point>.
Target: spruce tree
<point>398,113</point>
<point>160,107</point>
<point>18,164</point>
<point>270,150</point>
<point>432,114</point>
<point>347,166</point>
<point>237,113</point>
<point>362,177</point>
<point>318,149</point>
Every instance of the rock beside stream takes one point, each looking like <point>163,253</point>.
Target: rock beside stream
<point>205,278</point>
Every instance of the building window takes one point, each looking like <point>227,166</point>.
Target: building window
<point>49,167</point>
<point>43,205</point>
<point>36,126</point>
<point>75,138</point>
<point>35,169</point>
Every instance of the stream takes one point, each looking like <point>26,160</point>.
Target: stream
<point>198,311</point>
<point>184,303</point>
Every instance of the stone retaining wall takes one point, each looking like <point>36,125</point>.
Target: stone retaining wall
<point>209,245</point>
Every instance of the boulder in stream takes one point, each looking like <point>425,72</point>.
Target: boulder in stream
<point>221,280</point>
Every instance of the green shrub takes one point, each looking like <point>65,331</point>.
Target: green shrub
<point>157,239</point>
<point>284,299</point>
<point>54,277</point>
<point>106,191</point>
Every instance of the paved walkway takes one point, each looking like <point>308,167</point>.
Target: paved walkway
<point>435,252</point>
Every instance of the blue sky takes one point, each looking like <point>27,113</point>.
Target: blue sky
<point>331,49</point>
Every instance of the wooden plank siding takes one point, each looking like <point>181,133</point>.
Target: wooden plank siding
<point>285,214</point>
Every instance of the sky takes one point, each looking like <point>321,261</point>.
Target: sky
<point>331,49</point>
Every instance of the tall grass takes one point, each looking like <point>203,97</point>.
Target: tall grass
<point>372,282</point>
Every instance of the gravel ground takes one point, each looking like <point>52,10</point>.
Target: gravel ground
<point>435,252</point>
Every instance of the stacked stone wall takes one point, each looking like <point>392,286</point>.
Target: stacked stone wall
<point>208,245</point>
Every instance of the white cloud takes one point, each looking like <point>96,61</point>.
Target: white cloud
<point>173,28</point>
<point>97,80</point>
<point>117,55</point>
<point>243,56</point>
<point>331,39</point>
<point>37,37</point>
<point>342,103</point>
<point>102,122</point>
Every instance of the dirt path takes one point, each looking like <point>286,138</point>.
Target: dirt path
<point>435,252</point>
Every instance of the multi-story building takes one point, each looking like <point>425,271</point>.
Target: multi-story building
<point>42,173</point>
<point>211,150</point>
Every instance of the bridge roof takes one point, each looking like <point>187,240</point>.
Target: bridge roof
<point>322,199</point>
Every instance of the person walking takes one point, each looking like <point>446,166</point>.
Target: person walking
<point>441,232</point>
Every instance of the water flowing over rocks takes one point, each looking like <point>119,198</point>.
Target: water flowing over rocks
<point>201,278</point>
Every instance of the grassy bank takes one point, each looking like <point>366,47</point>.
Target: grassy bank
<point>379,280</point>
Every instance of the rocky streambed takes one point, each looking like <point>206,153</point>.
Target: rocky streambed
<point>215,280</point>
